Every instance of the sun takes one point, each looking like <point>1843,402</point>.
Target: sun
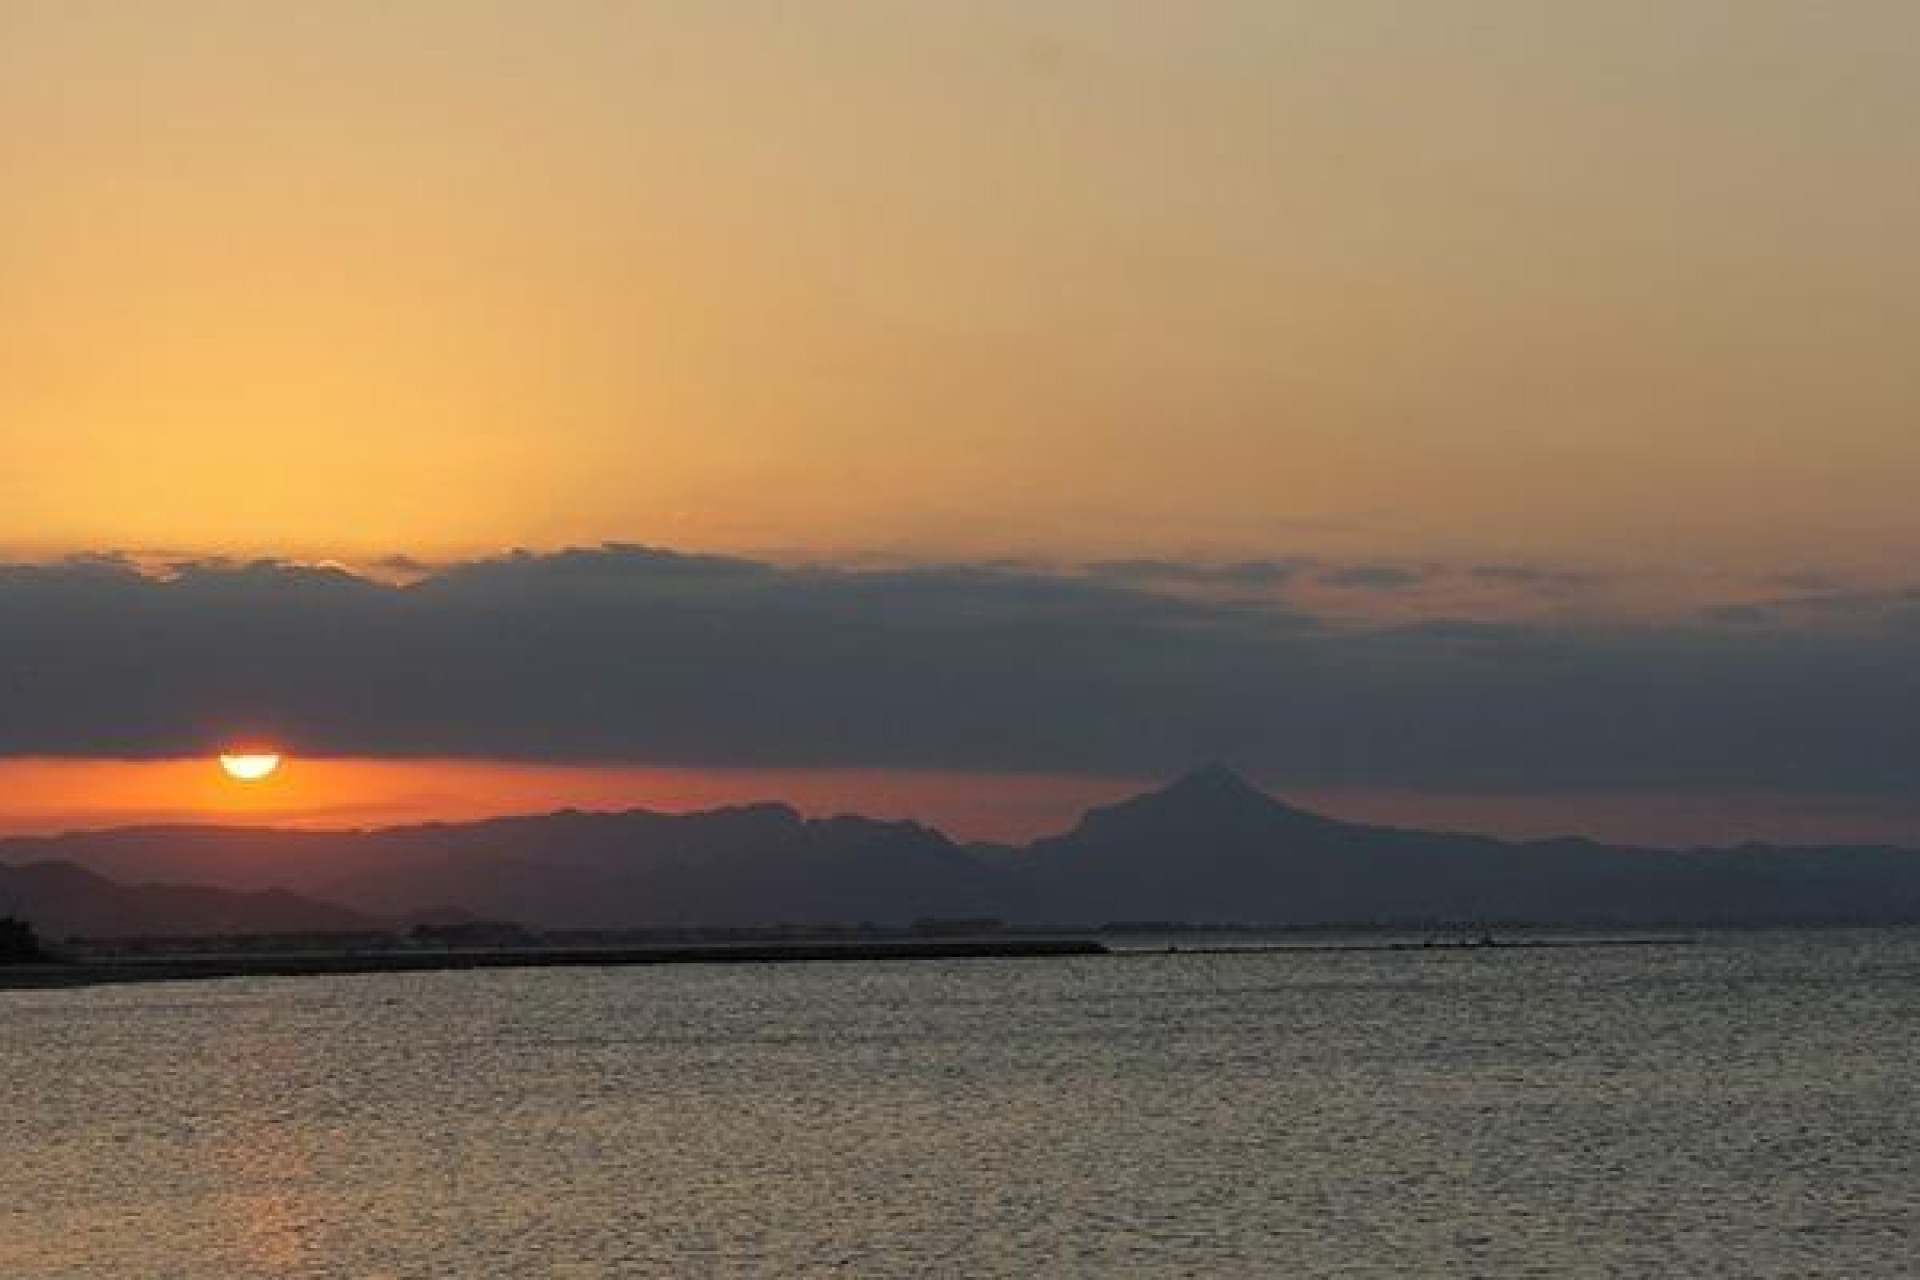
<point>250,766</point>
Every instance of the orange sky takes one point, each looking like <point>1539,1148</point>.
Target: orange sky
<point>43,796</point>
<point>1621,288</point>
<point>1548,278</point>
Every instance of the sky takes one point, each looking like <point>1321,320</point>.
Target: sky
<point>1500,412</point>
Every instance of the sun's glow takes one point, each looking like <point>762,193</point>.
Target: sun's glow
<point>250,766</point>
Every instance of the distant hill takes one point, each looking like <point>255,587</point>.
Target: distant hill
<point>751,865</point>
<point>65,901</point>
<point>1209,847</point>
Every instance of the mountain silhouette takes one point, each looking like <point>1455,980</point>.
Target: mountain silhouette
<point>1207,847</point>
<point>1212,800</point>
<point>63,900</point>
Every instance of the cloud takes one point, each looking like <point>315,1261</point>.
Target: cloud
<point>1234,573</point>
<point>1753,614</point>
<point>627,653</point>
<point>1814,601</point>
<point>1547,579</point>
<point>1373,577</point>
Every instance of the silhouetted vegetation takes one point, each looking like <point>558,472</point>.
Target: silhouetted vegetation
<point>958,927</point>
<point>474,933</point>
<point>19,944</point>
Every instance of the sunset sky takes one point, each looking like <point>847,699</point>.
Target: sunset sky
<point>1498,413</point>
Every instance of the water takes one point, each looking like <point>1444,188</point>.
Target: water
<point>1744,1107</point>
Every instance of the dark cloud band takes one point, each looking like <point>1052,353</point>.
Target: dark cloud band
<point>630,653</point>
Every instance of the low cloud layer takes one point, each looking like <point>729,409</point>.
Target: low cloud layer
<point>634,654</point>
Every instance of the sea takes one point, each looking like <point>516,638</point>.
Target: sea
<point>1743,1104</point>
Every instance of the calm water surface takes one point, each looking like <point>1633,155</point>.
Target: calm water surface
<point>1746,1107</point>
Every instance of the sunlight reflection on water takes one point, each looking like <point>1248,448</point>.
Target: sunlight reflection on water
<point>1739,1107</point>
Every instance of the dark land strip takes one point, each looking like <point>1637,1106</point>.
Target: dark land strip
<point>189,967</point>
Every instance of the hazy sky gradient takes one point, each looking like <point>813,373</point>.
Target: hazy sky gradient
<point>1502,402</point>
<point>1570,282</point>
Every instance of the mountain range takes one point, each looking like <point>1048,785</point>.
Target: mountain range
<point>64,900</point>
<point>1209,847</point>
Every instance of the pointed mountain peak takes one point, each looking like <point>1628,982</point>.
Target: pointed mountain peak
<point>1214,788</point>
<point>1205,802</point>
<point>1213,780</point>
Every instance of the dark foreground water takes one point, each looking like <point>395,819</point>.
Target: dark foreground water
<point>1747,1107</point>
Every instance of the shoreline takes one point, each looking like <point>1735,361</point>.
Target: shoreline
<point>1471,944</point>
<point>207,966</point>
<point>57,975</point>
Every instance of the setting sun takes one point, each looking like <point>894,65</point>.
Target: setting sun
<point>250,766</point>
